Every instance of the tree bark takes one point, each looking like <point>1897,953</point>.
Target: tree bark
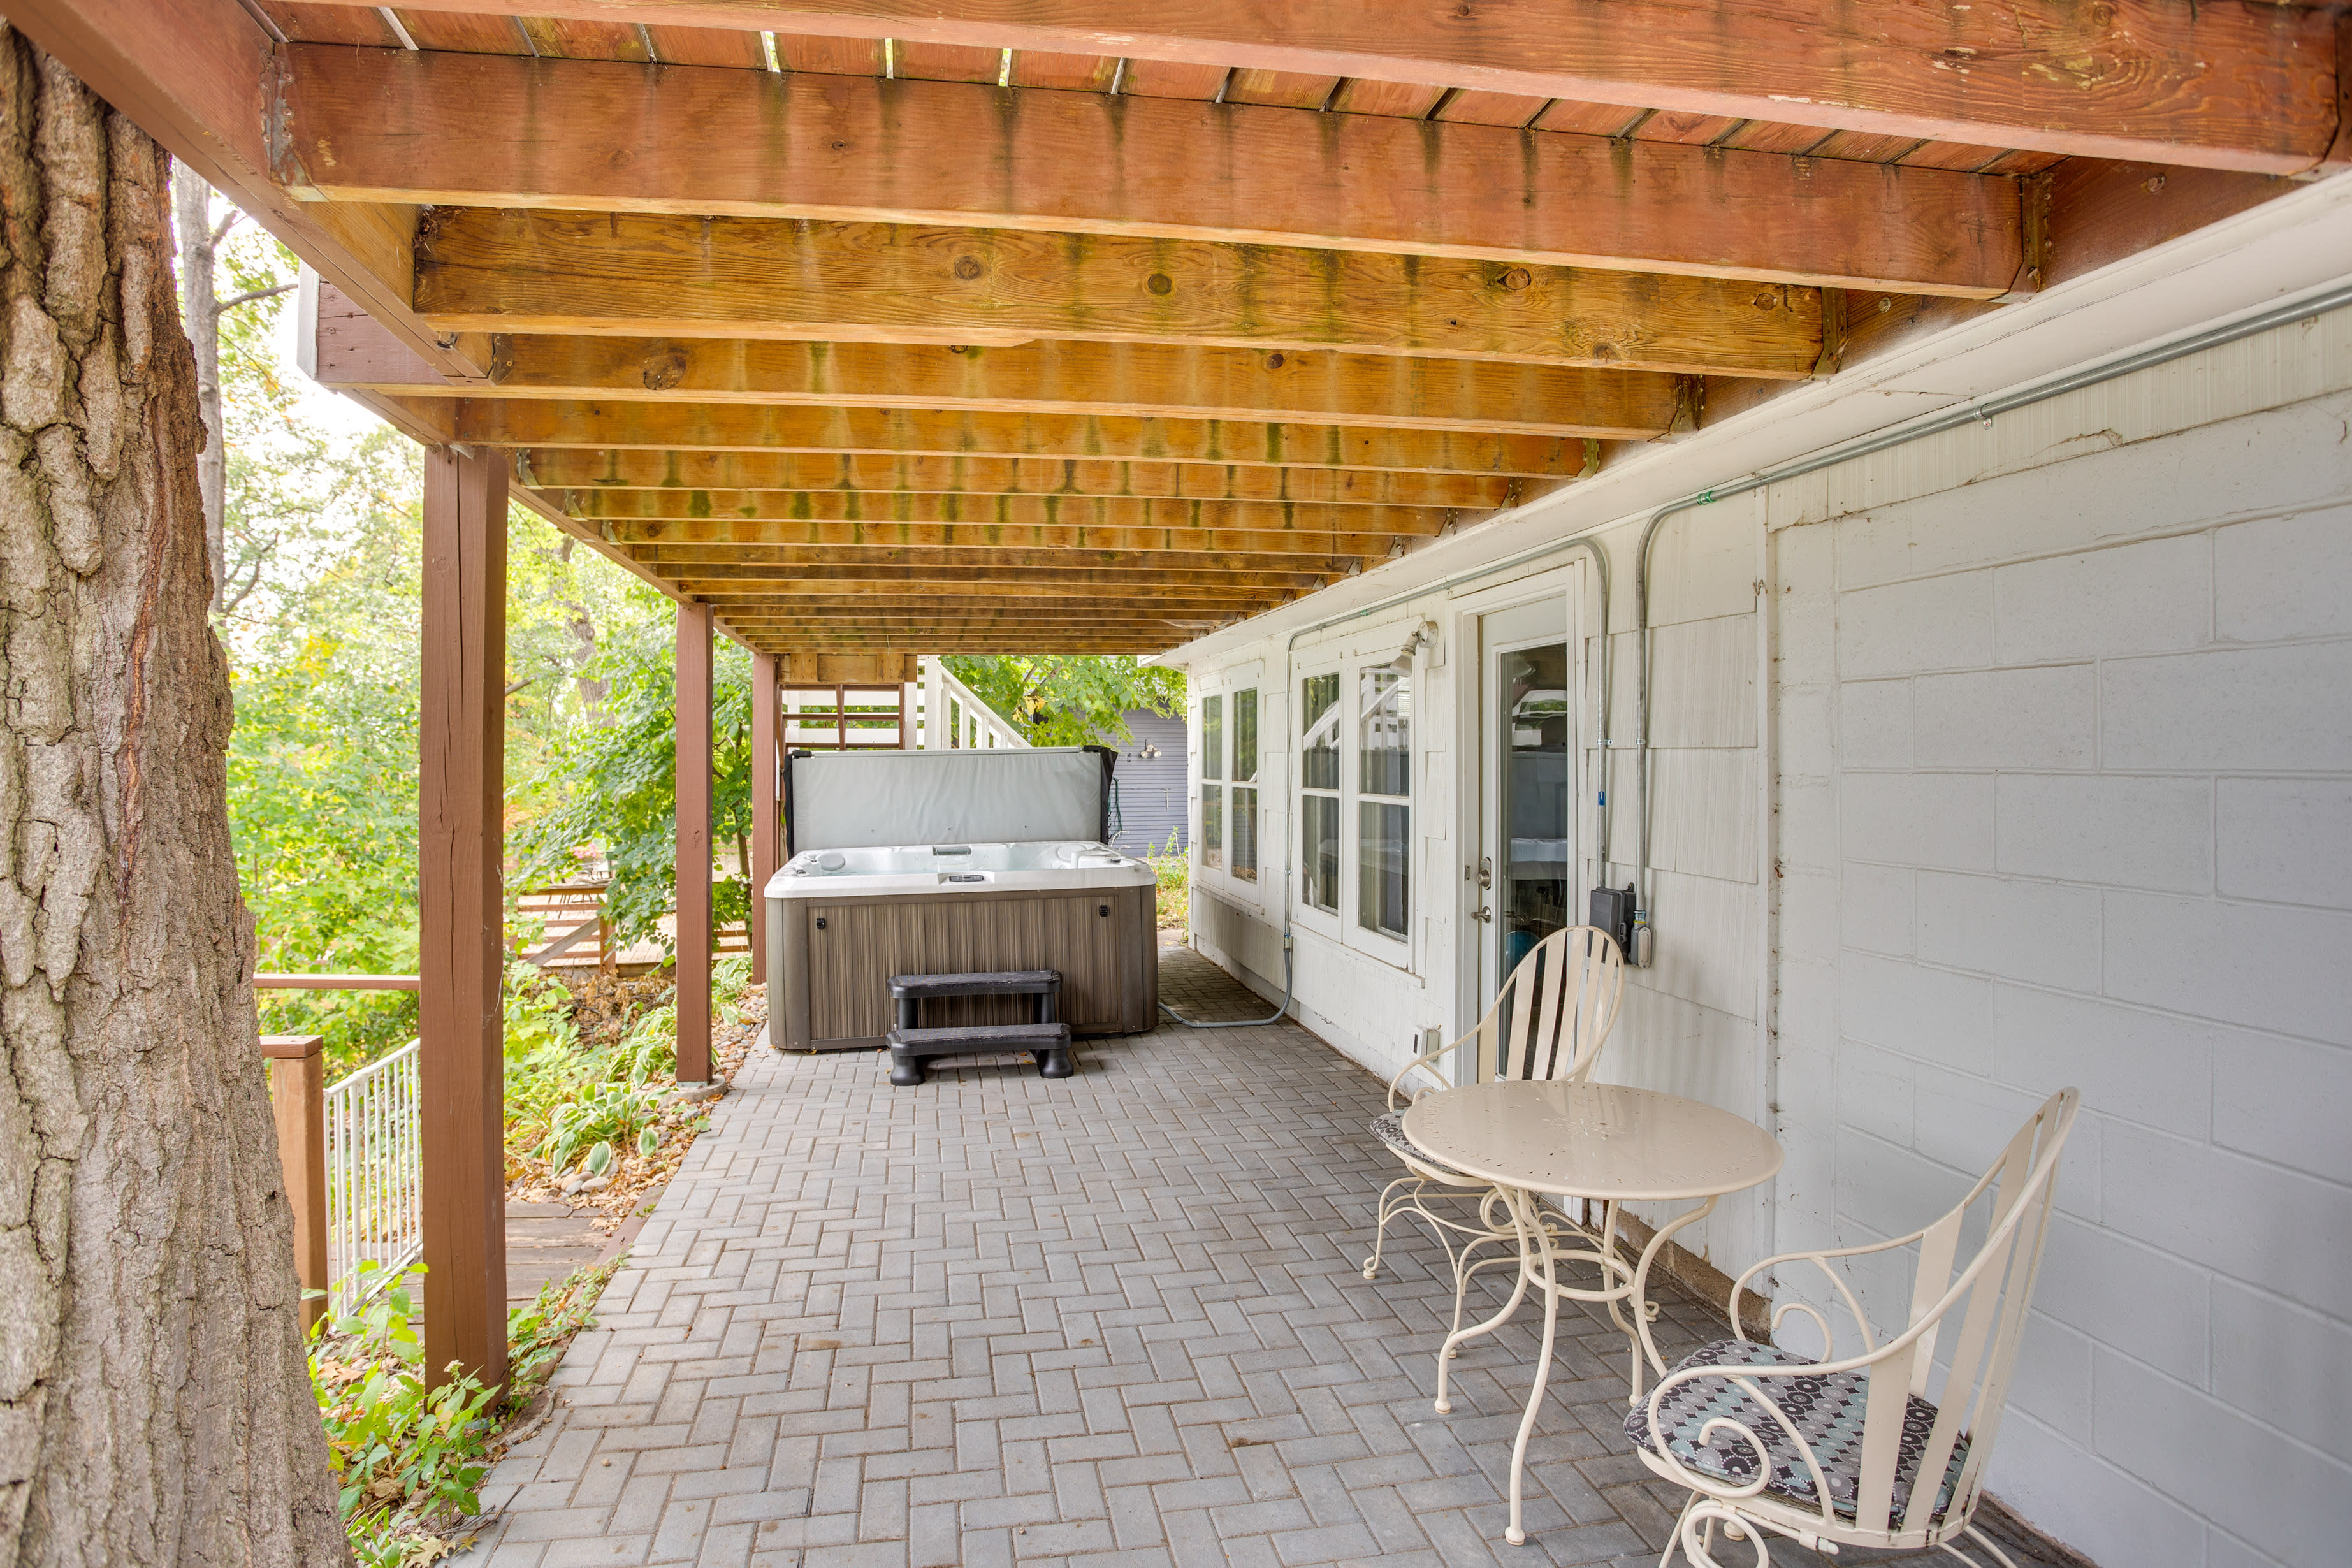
<point>155,1407</point>
<point>192,212</point>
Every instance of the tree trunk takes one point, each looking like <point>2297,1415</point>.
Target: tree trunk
<point>192,212</point>
<point>154,1404</point>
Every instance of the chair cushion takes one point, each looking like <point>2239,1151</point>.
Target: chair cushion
<point>1389,1130</point>
<point>1827,1411</point>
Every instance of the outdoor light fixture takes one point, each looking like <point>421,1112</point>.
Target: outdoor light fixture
<point>1423,635</point>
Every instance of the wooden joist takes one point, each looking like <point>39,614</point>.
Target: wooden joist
<point>750,540</point>
<point>481,269</point>
<point>491,131</point>
<point>200,77</point>
<point>2222,85</point>
<point>740,428</point>
<point>607,478</point>
<point>746,516</point>
<point>1169,381</point>
<point>1173,565</point>
<point>958,582</point>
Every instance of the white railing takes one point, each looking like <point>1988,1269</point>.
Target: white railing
<point>954,715</point>
<point>375,1207</point>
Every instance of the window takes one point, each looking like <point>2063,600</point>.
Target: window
<point>1241,836</point>
<point>1385,792</point>
<point>1213,767</point>
<point>1319,791</point>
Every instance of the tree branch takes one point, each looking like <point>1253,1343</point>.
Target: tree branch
<point>247,298</point>
<point>226,224</point>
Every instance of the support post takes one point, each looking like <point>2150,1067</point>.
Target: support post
<point>461,1058</point>
<point>693,843</point>
<point>298,1100</point>
<point>937,735</point>
<point>766,827</point>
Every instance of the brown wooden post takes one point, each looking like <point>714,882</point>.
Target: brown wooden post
<point>766,825</point>
<point>693,843</point>
<point>298,1098</point>
<point>461,1058</point>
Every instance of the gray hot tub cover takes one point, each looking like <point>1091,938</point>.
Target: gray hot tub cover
<point>853,800</point>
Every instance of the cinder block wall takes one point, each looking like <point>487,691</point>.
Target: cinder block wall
<point>2038,771</point>
<point>2064,714</point>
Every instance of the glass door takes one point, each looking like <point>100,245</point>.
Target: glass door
<point>1527,722</point>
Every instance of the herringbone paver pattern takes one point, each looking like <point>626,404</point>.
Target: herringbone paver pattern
<point>1114,1320</point>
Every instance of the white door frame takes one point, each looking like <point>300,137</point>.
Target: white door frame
<point>1569,583</point>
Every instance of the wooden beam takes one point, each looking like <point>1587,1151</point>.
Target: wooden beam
<point>203,77</point>
<point>703,578</point>
<point>789,560</point>
<point>2098,212</point>
<point>693,813</point>
<point>744,515</point>
<point>837,540</point>
<point>791,647</point>
<point>924,600</point>
<point>721,426</point>
<point>495,131</point>
<point>767,804</point>
<point>1163,381</point>
<point>2221,85</point>
<point>558,467</point>
<point>461,963</point>
<point>627,274</point>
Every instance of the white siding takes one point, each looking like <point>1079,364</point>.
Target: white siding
<point>2087,727</point>
<point>2055,786</point>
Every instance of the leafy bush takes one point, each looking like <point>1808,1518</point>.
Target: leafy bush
<point>401,1454</point>
<point>1172,872</point>
<point>612,782</point>
<point>1070,700</point>
<point>406,1458</point>
<point>607,1114</point>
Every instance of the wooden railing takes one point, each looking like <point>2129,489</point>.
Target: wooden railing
<point>953,715</point>
<point>298,1100</point>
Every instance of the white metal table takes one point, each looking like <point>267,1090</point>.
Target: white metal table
<point>1601,1141</point>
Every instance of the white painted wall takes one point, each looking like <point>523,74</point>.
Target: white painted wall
<point>2054,785</point>
<point>2064,722</point>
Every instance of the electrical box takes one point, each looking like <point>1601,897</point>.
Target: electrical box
<point>1613,912</point>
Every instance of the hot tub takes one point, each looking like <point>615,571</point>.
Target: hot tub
<point>843,918</point>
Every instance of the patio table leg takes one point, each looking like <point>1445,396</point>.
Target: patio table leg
<point>1644,1312</point>
<point>1514,1534</point>
<point>1485,1325</point>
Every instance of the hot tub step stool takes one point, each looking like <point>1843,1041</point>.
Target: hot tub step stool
<point>910,1043</point>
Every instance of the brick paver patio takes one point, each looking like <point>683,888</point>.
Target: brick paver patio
<point>1113,1320</point>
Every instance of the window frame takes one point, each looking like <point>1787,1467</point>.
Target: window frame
<point>1366,651</point>
<point>1248,891</point>
<point>1351,818</point>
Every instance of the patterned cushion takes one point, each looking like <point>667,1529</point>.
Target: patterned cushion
<point>1389,1130</point>
<point>1827,1411</point>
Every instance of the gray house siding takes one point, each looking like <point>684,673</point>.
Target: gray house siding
<point>1151,790</point>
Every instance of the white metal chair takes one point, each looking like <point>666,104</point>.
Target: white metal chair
<point>1864,1450</point>
<point>1558,1007</point>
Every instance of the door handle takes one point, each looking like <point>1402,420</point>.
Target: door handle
<point>1482,913</point>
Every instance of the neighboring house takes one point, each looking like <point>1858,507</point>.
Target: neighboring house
<point>2009,757</point>
<point>1151,797</point>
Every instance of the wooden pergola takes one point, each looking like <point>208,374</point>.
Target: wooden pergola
<point>873,327</point>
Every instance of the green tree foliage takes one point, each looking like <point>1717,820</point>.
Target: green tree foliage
<point>1071,700</point>
<point>610,780</point>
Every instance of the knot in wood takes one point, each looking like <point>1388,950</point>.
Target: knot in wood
<point>1274,362</point>
<point>967,267</point>
<point>665,368</point>
<point>1158,283</point>
<point>1515,279</point>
